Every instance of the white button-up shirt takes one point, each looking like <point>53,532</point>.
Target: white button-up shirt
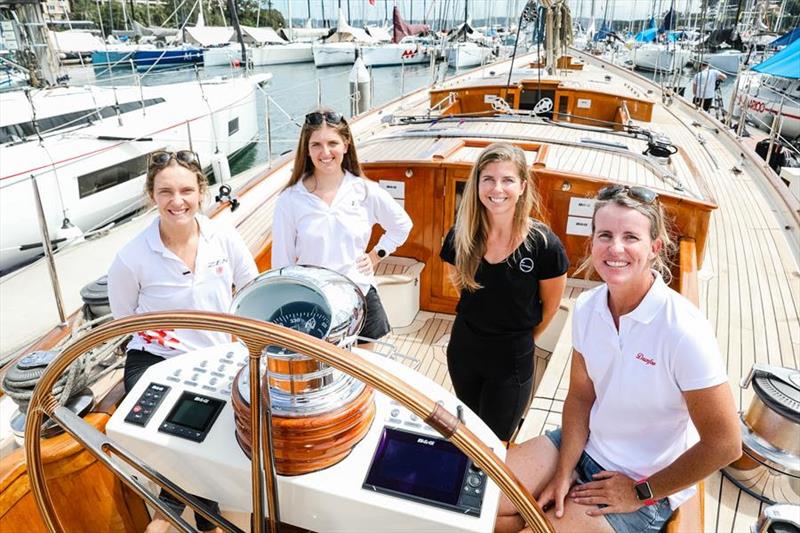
<point>307,231</point>
<point>146,276</point>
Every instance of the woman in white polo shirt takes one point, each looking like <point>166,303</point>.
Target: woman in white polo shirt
<point>182,261</point>
<point>324,216</point>
<point>649,412</point>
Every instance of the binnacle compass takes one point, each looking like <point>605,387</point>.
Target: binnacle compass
<point>305,317</point>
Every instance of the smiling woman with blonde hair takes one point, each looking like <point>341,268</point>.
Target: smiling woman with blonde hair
<point>511,272</point>
<point>646,378</point>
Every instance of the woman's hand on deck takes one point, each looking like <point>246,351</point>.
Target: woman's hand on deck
<point>612,489</point>
<point>554,493</point>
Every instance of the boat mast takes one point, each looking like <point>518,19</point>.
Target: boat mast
<point>235,22</point>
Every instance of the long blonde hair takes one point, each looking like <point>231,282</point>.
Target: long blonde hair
<point>472,224</point>
<point>303,166</point>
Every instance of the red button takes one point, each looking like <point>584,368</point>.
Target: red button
<point>137,408</point>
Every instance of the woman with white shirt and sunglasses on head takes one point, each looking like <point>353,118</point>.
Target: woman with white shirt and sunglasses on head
<point>325,215</point>
<point>182,261</point>
<point>649,411</point>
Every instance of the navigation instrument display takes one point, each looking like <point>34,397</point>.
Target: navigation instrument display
<point>192,416</point>
<point>426,469</point>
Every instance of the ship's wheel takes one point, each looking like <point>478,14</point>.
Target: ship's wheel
<point>256,335</point>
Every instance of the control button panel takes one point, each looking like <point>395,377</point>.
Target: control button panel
<point>146,405</point>
<point>400,417</point>
<point>473,488</point>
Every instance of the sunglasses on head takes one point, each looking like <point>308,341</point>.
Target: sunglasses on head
<point>162,158</point>
<point>318,117</point>
<point>641,194</point>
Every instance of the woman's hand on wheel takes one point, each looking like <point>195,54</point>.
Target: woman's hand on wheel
<point>554,493</point>
<point>612,489</point>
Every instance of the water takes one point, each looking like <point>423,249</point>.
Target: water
<point>293,91</point>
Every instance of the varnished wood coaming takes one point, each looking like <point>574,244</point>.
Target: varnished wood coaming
<point>430,182</point>
<point>89,497</point>
<point>571,103</point>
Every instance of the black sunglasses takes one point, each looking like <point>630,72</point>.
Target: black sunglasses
<point>162,158</point>
<point>331,117</point>
<point>641,194</point>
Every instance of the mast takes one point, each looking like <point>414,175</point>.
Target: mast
<point>289,11</point>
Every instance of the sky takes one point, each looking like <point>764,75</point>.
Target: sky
<point>622,9</point>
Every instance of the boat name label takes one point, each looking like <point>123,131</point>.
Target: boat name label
<point>584,103</point>
<point>579,226</point>
<point>581,207</point>
<point>396,189</point>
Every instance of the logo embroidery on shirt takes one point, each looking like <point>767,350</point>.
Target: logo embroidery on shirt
<point>646,360</point>
<point>160,336</point>
<point>526,264</point>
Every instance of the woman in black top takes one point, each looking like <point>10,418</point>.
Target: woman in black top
<point>511,271</point>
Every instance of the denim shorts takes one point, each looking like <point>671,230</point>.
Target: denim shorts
<point>647,518</point>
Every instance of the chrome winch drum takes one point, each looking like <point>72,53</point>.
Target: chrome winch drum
<point>316,301</point>
<point>769,467</point>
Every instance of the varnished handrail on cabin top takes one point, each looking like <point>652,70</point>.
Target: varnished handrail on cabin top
<point>257,335</point>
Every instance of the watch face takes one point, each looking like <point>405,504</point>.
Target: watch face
<point>381,253</point>
<point>643,491</point>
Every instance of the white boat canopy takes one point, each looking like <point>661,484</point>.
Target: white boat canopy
<point>345,33</point>
<point>379,33</point>
<point>265,35</point>
<point>301,35</point>
<point>208,35</point>
<point>74,41</point>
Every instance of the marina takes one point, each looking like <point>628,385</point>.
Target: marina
<point>293,428</point>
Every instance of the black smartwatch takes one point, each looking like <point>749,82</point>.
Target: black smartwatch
<point>643,492</point>
<point>381,253</point>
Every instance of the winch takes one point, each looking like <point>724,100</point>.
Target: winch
<point>769,468</point>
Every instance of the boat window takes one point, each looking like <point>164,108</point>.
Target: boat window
<point>21,130</point>
<point>108,177</point>
<point>529,98</point>
<point>233,126</point>
<point>563,105</point>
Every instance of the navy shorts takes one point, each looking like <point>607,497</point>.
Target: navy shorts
<point>647,518</point>
<point>376,323</point>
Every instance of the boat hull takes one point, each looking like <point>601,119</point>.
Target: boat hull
<point>659,58</point>
<point>279,54</point>
<point>462,55</point>
<point>94,175</point>
<point>395,54</point>
<point>332,54</point>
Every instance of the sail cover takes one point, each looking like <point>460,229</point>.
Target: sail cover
<point>260,35</point>
<point>784,63</point>
<point>787,38</point>
<point>403,29</point>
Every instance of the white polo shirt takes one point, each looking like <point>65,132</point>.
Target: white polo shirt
<point>307,231</point>
<point>146,277</point>
<point>639,423</point>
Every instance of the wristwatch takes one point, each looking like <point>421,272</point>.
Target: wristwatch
<point>381,253</point>
<point>643,492</point>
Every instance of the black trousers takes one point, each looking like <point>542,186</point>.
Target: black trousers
<point>136,362</point>
<point>705,103</point>
<point>493,376</point>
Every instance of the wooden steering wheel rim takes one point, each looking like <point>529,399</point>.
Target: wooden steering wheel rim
<point>256,335</point>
